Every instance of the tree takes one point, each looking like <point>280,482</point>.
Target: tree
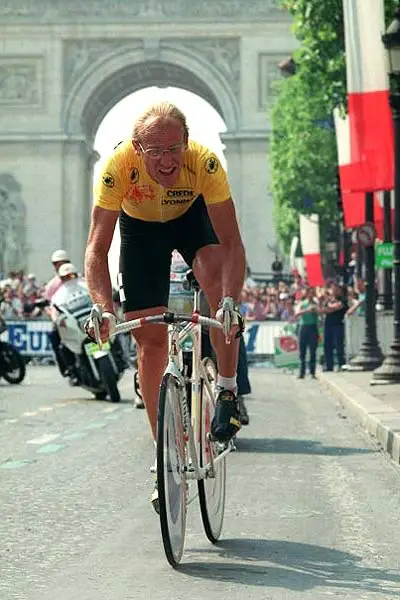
<point>303,147</point>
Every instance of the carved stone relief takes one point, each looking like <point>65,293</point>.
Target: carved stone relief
<point>81,54</point>
<point>58,11</point>
<point>268,73</point>
<point>13,249</point>
<point>20,81</point>
<point>221,53</point>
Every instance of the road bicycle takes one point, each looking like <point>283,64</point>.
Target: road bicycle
<point>186,451</point>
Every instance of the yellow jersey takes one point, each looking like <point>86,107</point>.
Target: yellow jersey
<point>124,184</point>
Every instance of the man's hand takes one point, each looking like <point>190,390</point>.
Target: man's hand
<point>228,314</point>
<point>100,325</point>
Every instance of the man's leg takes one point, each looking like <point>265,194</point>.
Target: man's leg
<point>152,348</point>
<point>302,350</point>
<point>313,342</point>
<point>328,347</point>
<point>195,239</point>
<point>55,342</point>
<point>242,379</point>
<point>243,383</point>
<point>339,345</point>
<point>207,268</point>
<point>145,260</point>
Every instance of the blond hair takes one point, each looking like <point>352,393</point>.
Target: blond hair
<point>159,110</point>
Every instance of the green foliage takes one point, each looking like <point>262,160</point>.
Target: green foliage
<point>303,154</point>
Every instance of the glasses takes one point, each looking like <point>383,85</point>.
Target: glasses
<point>159,152</point>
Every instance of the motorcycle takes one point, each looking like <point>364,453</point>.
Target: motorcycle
<point>12,365</point>
<point>95,369</point>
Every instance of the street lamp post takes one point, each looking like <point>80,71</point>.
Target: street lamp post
<point>389,371</point>
<point>370,355</point>
<point>387,295</point>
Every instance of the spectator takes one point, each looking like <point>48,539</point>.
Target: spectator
<point>307,313</point>
<point>334,308</point>
<point>358,306</point>
<point>8,309</point>
<point>277,268</point>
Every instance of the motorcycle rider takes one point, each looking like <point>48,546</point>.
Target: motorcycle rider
<point>70,282</point>
<point>58,258</point>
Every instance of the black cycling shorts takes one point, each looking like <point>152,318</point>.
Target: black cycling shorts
<point>146,249</point>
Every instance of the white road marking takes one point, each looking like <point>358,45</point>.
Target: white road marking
<point>45,439</point>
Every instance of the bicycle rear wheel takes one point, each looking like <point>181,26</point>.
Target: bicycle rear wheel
<point>211,490</point>
<point>171,463</point>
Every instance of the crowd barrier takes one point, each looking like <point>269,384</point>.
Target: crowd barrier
<point>262,338</point>
<point>355,332</point>
<point>30,337</point>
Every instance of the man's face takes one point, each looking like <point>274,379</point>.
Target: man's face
<point>58,264</point>
<point>162,147</point>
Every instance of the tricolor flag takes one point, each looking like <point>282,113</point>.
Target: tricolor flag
<point>370,119</point>
<point>353,202</point>
<point>379,214</point>
<point>309,237</point>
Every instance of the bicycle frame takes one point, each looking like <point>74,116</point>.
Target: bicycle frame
<point>177,334</point>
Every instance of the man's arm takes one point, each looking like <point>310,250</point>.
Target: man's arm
<point>97,274</point>
<point>223,219</point>
<point>332,306</point>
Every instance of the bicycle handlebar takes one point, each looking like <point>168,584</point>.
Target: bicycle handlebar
<point>167,318</point>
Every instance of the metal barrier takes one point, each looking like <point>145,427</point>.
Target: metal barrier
<point>31,337</point>
<point>355,328</point>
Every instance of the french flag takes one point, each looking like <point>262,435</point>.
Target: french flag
<point>309,237</point>
<point>353,202</point>
<point>370,119</point>
<point>379,214</point>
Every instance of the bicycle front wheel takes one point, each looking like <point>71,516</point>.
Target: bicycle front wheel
<point>211,489</point>
<point>171,470</point>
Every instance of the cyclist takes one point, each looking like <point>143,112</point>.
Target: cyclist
<point>168,192</point>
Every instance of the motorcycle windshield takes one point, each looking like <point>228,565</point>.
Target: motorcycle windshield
<point>73,297</point>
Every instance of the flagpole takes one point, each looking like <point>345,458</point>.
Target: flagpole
<point>370,355</point>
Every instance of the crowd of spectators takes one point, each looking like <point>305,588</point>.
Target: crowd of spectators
<point>277,300</point>
<point>17,292</point>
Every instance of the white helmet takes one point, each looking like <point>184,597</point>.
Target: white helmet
<point>59,255</point>
<point>67,269</point>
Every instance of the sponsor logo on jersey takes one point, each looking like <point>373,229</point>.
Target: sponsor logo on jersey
<point>134,175</point>
<point>140,193</point>
<point>211,165</point>
<point>179,196</point>
<point>108,180</point>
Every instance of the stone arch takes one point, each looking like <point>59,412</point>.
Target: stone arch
<point>107,81</point>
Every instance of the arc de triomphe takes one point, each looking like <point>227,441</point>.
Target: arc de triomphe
<point>64,65</point>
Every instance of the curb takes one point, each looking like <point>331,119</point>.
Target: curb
<point>381,421</point>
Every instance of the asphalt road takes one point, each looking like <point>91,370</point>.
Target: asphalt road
<point>312,509</point>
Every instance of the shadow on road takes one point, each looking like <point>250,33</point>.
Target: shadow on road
<point>293,446</point>
<point>290,565</point>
